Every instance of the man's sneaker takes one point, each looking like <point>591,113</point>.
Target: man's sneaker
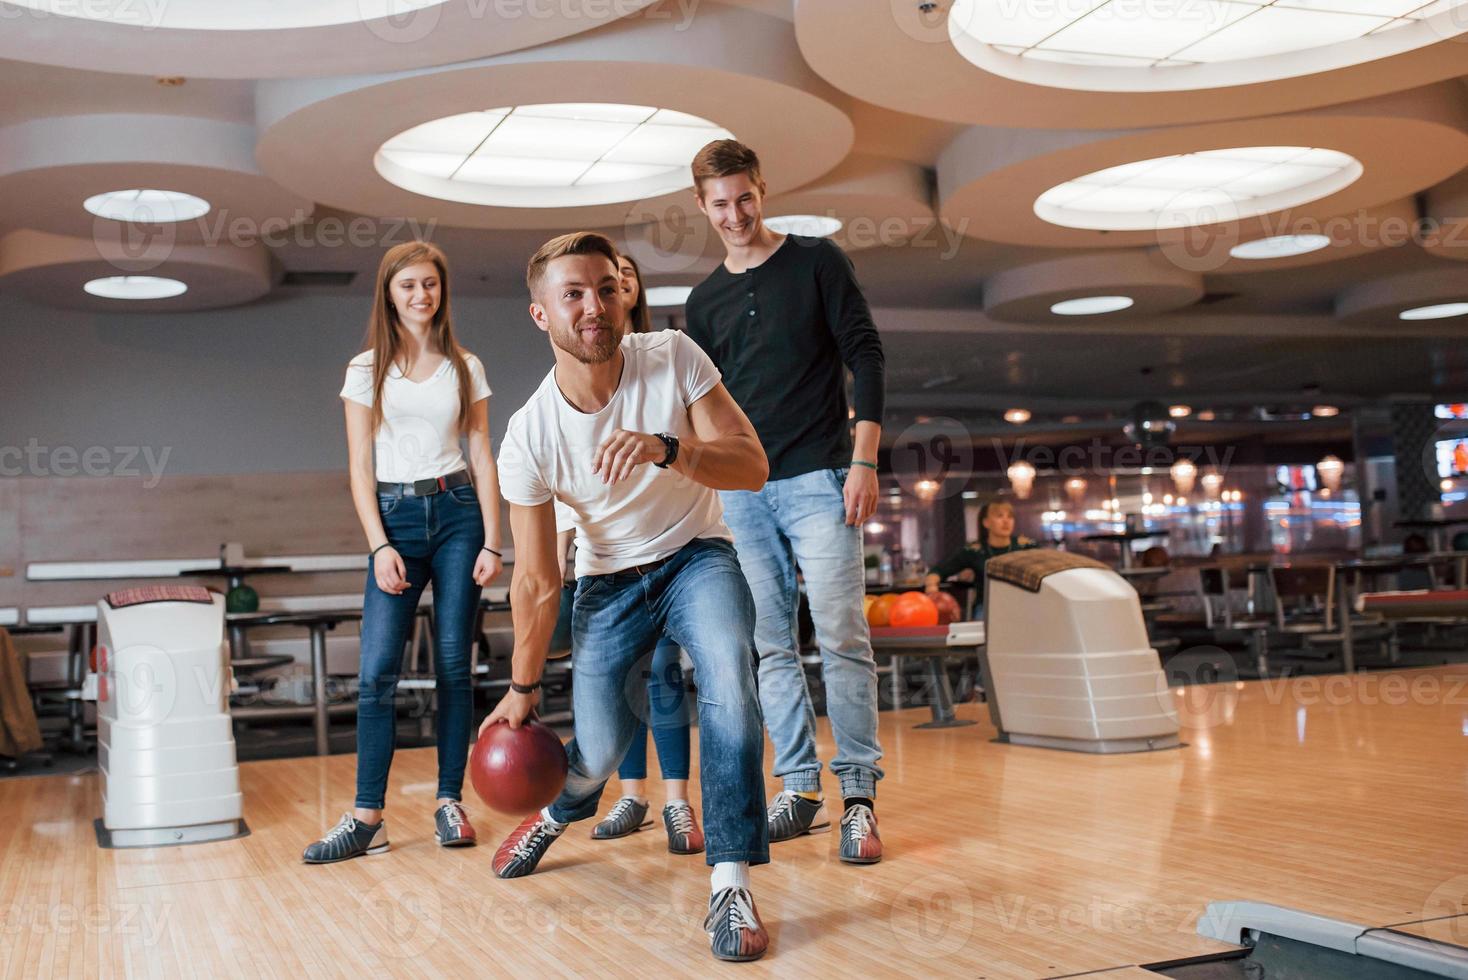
<point>524,848</point>
<point>628,816</point>
<point>860,842</point>
<point>792,815</point>
<point>348,839</point>
<point>451,826</point>
<point>734,927</point>
<point>684,837</point>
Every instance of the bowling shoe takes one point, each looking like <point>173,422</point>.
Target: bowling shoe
<point>792,815</point>
<point>524,848</point>
<point>348,839</point>
<point>860,842</point>
<point>734,927</point>
<point>451,827</point>
<point>628,815</point>
<point>684,837</point>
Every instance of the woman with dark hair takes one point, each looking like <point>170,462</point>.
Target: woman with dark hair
<point>996,537</point>
<point>428,517</point>
<point>668,709</point>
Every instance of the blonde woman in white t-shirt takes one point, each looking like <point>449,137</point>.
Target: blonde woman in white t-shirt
<point>428,517</point>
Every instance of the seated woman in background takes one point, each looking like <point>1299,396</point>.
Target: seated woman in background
<point>996,537</point>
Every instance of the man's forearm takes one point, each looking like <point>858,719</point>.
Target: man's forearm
<point>534,605</point>
<point>731,462</point>
<point>868,437</point>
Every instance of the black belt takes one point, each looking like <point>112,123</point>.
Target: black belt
<point>426,488</point>
<point>650,566</point>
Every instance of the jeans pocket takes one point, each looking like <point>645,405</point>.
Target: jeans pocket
<point>387,503</point>
<point>838,476</point>
<point>588,585</point>
<point>465,494</point>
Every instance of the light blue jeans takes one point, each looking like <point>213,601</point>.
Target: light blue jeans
<point>699,600</point>
<point>801,522</point>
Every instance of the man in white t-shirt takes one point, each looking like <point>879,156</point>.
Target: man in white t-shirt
<point>632,434</point>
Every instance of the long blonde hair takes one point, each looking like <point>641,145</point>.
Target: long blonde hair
<point>386,342</point>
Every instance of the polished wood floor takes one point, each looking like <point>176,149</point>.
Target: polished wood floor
<point>1343,796</point>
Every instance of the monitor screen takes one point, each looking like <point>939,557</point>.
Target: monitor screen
<point>1452,458</point>
<point>1459,411</point>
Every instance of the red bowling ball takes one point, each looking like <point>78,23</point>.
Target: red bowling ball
<point>948,610</point>
<point>518,770</point>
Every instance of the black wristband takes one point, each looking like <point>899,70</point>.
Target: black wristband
<point>670,442</point>
<point>524,688</point>
<point>374,551</point>
<point>491,551</point>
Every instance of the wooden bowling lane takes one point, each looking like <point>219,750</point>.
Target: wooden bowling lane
<point>1344,796</point>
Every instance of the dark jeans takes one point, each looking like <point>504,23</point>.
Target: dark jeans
<point>668,712</point>
<point>439,538</point>
<point>698,599</point>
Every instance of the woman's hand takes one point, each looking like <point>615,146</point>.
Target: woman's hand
<point>387,566</point>
<point>486,567</point>
<point>513,709</point>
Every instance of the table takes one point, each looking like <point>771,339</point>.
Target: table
<point>234,575</point>
<point>935,643</point>
<point>1434,526</point>
<point>1123,540</point>
<point>317,623</point>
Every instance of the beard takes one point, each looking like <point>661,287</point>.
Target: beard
<point>569,338</point>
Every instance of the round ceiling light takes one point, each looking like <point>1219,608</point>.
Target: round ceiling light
<point>238,15</point>
<point>1438,311</point>
<point>668,295</point>
<point>1187,189</point>
<point>809,225</point>
<point>1279,246</point>
<point>135,287</point>
<point>1090,305</point>
<point>142,206</point>
<point>548,156</point>
<point>1172,34</point>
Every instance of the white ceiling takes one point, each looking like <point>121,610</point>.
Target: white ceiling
<point>932,162</point>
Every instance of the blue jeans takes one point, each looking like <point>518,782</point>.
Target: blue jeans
<point>439,538</point>
<point>669,715</point>
<point>699,599</point>
<point>801,521</point>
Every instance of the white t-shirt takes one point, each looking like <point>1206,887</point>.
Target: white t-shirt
<point>419,436</point>
<point>549,449</point>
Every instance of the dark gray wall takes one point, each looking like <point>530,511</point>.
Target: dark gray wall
<point>245,390</point>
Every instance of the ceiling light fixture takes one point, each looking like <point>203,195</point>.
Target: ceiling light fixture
<point>1439,311</point>
<point>1187,189</point>
<point>146,206</point>
<point>1090,305</point>
<point>809,225</point>
<point>1279,247</point>
<point>1017,416</point>
<point>135,287</point>
<point>548,156</point>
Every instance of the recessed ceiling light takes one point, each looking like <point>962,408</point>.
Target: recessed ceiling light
<point>1017,416</point>
<point>809,225</point>
<point>1438,312</point>
<point>1325,411</point>
<point>1187,189</point>
<point>211,15</point>
<point>1091,305</point>
<point>135,287</point>
<point>1279,246</point>
<point>144,206</point>
<point>1179,411</point>
<point>1118,34</point>
<point>1207,415</point>
<point>548,156</point>
<point>668,295</point>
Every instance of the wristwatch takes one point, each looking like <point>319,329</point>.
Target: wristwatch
<point>671,441</point>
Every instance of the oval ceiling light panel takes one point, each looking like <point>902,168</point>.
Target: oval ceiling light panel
<point>1124,45</point>
<point>135,287</point>
<point>236,15</point>
<point>668,295</point>
<point>1279,246</point>
<point>141,206</point>
<point>1439,311</point>
<point>548,156</point>
<point>1188,189</point>
<point>1091,305</point>
<point>809,225</point>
